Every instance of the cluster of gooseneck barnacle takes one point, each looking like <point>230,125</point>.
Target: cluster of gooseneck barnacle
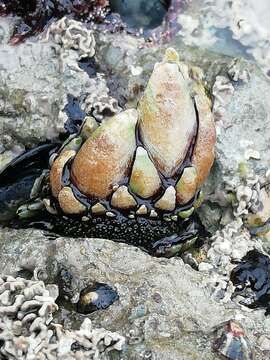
<point>148,161</point>
<point>27,331</point>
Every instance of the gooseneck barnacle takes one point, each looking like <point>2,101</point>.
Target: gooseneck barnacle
<point>147,161</point>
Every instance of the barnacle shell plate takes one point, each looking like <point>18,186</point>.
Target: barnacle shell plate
<point>104,158</point>
<point>167,117</point>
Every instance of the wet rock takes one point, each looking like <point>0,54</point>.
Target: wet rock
<point>248,111</point>
<point>240,28</point>
<point>230,245</point>
<point>26,314</point>
<point>153,293</point>
<point>6,29</point>
<point>34,90</point>
<point>33,16</point>
<point>263,213</point>
<point>131,12</point>
<point>30,94</point>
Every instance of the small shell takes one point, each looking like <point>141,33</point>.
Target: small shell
<point>68,203</point>
<point>142,210</point>
<point>232,343</point>
<point>186,213</point>
<point>167,201</point>
<point>144,180</point>
<point>105,157</point>
<point>263,215</point>
<point>110,214</point>
<point>153,214</point>
<point>89,126</point>
<point>122,199</point>
<point>167,118</point>
<point>57,171</point>
<point>98,209</point>
<point>96,297</point>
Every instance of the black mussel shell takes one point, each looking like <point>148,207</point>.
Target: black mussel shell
<point>95,297</point>
<point>252,280</point>
<point>18,177</point>
<point>140,13</point>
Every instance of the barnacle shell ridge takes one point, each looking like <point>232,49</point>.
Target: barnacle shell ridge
<point>204,149</point>
<point>57,170</point>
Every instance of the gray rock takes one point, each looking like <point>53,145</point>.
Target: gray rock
<point>242,143</point>
<point>33,93</point>
<point>6,28</point>
<point>164,308</point>
<point>30,92</point>
<point>249,114</point>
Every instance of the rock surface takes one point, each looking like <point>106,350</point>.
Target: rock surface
<point>163,306</point>
<point>34,90</point>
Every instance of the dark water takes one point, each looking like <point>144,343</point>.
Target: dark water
<point>18,177</point>
<point>89,66</point>
<point>75,115</point>
<point>141,13</point>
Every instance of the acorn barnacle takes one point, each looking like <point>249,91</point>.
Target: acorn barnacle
<point>138,174</point>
